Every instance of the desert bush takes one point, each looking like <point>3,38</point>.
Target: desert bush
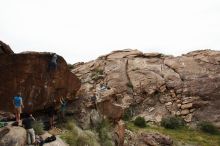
<point>70,66</point>
<point>86,138</point>
<point>38,127</point>
<point>97,74</point>
<point>208,127</point>
<point>127,115</point>
<point>75,136</point>
<point>172,122</point>
<point>140,122</point>
<point>69,138</point>
<point>103,130</point>
<point>99,71</point>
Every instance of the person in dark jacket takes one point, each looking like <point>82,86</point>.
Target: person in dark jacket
<point>53,62</point>
<point>93,100</point>
<point>63,103</point>
<point>51,111</point>
<point>28,125</point>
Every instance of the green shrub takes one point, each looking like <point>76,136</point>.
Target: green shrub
<point>86,140</point>
<point>208,127</point>
<point>172,122</point>
<point>97,74</point>
<point>92,138</point>
<point>103,130</point>
<point>70,66</point>
<point>38,127</point>
<point>140,122</point>
<point>99,71</point>
<point>69,138</point>
<point>75,136</point>
<point>127,115</point>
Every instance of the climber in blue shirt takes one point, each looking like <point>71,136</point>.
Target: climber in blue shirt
<point>18,104</point>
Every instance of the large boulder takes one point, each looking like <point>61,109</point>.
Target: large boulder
<point>28,74</point>
<point>107,107</point>
<point>155,85</point>
<point>12,136</point>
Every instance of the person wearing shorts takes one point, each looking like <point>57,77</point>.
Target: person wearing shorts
<point>18,105</point>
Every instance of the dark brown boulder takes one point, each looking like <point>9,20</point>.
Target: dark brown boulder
<point>28,73</point>
<point>5,49</point>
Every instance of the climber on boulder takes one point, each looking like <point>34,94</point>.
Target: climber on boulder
<point>18,104</point>
<point>53,62</point>
<point>93,100</point>
<point>62,111</point>
<point>51,111</point>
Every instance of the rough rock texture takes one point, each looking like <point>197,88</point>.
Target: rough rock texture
<point>154,85</point>
<point>6,116</point>
<point>146,139</point>
<point>12,136</point>
<point>154,139</point>
<point>107,107</point>
<point>28,73</point>
<point>5,49</point>
<point>119,132</point>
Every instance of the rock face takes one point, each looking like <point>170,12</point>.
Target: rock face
<point>146,139</point>
<point>28,74</point>
<point>154,139</point>
<point>154,85</point>
<point>119,132</point>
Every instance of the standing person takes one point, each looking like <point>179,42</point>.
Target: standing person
<point>53,62</point>
<point>18,104</point>
<point>93,99</point>
<point>27,123</point>
<point>51,114</point>
<point>63,103</point>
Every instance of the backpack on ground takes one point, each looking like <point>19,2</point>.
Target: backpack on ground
<point>50,139</point>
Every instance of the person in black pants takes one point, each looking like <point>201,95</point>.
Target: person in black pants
<point>51,113</point>
<point>93,100</point>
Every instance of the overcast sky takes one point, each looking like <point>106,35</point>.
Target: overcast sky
<point>82,30</point>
